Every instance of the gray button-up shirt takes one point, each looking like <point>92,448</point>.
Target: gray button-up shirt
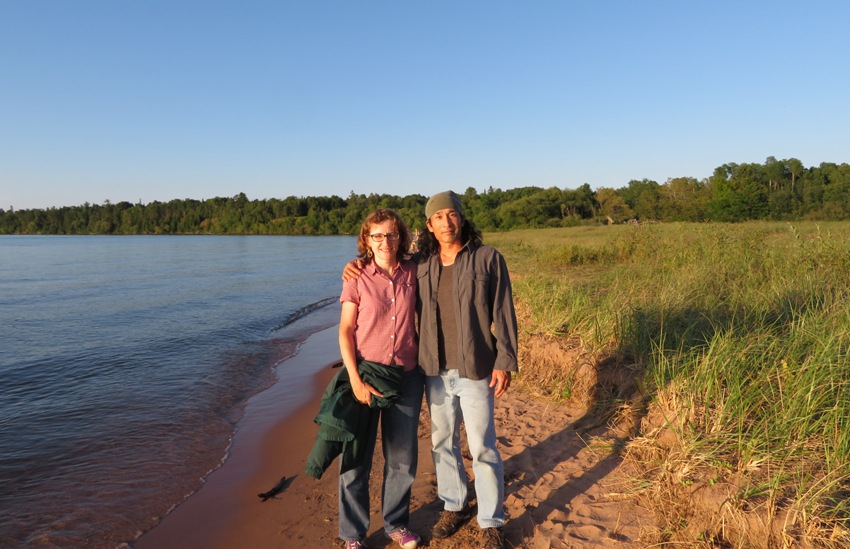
<point>484,310</point>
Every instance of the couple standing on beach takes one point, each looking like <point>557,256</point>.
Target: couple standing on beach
<point>462,358</point>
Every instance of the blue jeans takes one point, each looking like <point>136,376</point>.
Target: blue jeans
<point>399,426</point>
<point>451,399</point>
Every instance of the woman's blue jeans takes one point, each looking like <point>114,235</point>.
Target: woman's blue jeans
<point>399,426</point>
<point>451,399</point>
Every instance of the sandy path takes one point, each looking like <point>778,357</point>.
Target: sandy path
<point>560,489</point>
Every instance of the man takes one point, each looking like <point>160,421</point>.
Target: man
<point>467,349</point>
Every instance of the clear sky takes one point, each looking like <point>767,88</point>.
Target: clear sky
<point>168,99</point>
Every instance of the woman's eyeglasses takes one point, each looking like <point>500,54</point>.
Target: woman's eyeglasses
<point>379,237</point>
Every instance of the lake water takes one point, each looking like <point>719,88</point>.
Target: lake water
<point>125,363</point>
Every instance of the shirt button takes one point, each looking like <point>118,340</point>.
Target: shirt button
<point>393,300</point>
<point>392,337</point>
<point>392,318</point>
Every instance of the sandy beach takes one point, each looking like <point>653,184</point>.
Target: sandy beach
<point>562,485</point>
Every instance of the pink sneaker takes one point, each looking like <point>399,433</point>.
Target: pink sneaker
<point>405,538</point>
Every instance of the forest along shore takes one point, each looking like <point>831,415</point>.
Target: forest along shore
<point>777,189</point>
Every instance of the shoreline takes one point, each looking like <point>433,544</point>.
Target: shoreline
<point>268,443</point>
<point>561,490</point>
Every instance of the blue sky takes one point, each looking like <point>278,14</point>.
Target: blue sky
<point>157,100</point>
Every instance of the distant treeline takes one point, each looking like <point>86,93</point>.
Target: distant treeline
<point>775,190</point>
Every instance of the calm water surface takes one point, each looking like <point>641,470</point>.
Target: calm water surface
<point>126,361</point>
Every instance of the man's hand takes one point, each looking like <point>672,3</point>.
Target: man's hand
<point>352,270</point>
<point>501,380</point>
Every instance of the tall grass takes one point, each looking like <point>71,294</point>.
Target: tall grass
<point>742,333</point>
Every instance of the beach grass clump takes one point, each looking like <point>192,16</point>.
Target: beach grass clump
<point>736,337</point>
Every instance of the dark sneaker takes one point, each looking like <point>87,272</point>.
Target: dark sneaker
<point>492,538</point>
<point>449,523</point>
<point>405,538</point>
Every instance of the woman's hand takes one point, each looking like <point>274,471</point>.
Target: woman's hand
<point>363,391</point>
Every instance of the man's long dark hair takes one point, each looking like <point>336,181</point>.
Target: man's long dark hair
<point>428,245</point>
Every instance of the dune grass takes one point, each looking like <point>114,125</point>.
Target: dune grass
<point>740,334</point>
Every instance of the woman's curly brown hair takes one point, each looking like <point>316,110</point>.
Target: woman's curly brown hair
<point>379,216</point>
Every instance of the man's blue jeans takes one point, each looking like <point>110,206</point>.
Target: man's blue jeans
<point>451,399</point>
<point>399,440</point>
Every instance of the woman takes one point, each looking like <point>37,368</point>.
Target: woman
<point>378,325</point>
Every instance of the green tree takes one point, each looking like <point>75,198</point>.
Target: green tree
<point>683,199</point>
<point>739,193</point>
<point>612,205</point>
<point>643,198</point>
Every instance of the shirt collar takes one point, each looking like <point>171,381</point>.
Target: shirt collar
<point>372,268</point>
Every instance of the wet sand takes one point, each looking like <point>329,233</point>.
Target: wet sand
<point>272,440</point>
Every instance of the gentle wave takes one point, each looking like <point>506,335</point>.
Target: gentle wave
<point>303,311</point>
